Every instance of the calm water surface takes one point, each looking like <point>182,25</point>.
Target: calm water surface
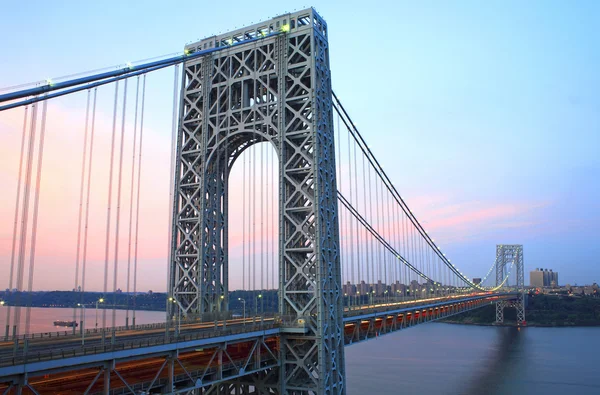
<point>456,359</point>
<point>42,319</point>
<point>436,358</point>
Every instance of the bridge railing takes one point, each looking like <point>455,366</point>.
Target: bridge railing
<point>22,355</point>
<point>95,331</point>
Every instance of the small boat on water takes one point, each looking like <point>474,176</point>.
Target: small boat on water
<point>65,323</point>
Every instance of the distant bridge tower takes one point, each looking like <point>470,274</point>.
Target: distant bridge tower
<point>275,88</point>
<point>507,255</point>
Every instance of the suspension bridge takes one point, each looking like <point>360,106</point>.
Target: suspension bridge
<point>307,215</point>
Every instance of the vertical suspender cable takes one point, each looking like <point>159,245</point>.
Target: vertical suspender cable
<point>341,214</point>
<point>137,204</point>
<point>383,222</point>
<point>397,226</point>
<point>87,199</point>
<point>110,179</point>
<point>14,238</point>
<point>351,219</point>
<point>274,217</point>
<point>377,223</point>
<point>372,220</point>
<point>254,223</point>
<point>36,204</point>
<point>225,241</point>
<point>364,187</point>
<point>118,213</point>
<point>172,196</point>
<point>262,188</point>
<point>358,230</point>
<point>267,214</point>
<point>404,250</point>
<point>244,220</point>
<point>24,217</point>
<point>135,119</point>
<point>81,184</point>
<point>250,250</point>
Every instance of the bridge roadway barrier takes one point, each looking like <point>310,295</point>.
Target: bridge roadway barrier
<point>68,363</point>
<point>88,332</point>
<point>361,325</point>
<point>42,349</point>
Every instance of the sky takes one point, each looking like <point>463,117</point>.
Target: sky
<point>485,116</point>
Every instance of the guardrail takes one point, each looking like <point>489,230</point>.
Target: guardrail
<point>23,356</point>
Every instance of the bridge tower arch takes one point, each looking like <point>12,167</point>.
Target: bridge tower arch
<point>270,82</point>
<point>508,255</point>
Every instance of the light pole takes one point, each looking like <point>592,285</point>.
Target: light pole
<point>256,303</point>
<point>172,300</point>
<point>82,324</point>
<point>244,303</point>
<point>101,300</point>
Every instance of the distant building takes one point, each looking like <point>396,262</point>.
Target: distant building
<point>540,278</point>
<point>349,289</point>
<point>536,278</point>
<point>477,281</point>
<point>363,288</point>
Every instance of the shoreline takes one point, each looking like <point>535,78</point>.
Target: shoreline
<point>71,307</point>
<point>514,325</point>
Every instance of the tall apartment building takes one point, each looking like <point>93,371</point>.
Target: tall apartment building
<point>543,278</point>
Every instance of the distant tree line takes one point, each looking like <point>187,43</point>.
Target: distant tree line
<point>256,301</point>
<point>542,310</point>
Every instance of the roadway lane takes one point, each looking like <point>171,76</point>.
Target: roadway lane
<point>144,370</point>
<point>93,344</point>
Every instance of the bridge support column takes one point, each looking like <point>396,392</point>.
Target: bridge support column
<point>509,259</point>
<point>275,90</point>
<point>500,311</point>
<point>106,383</point>
<point>171,371</point>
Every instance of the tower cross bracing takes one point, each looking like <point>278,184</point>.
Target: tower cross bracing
<point>276,90</point>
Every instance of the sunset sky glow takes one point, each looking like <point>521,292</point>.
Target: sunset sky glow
<point>485,117</point>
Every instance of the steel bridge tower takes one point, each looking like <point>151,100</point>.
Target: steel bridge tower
<point>275,88</point>
<point>507,255</point>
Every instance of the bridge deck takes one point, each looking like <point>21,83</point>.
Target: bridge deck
<point>197,354</point>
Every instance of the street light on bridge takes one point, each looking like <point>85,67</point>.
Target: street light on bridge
<point>82,324</point>
<point>101,300</point>
<point>244,303</point>
<point>259,296</point>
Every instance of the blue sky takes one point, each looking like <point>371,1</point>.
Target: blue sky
<point>486,111</point>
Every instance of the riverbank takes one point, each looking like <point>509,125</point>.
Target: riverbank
<point>514,324</point>
<point>541,311</point>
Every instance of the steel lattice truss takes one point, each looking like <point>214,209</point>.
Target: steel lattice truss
<point>505,256</point>
<point>275,90</point>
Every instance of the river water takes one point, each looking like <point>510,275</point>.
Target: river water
<point>441,358</point>
<point>42,319</point>
<point>436,358</point>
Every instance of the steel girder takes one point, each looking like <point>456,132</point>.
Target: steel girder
<point>181,370</point>
<point>507,254</point>
<point>275,90</point>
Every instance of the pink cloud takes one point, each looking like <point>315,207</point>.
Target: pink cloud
<point>59,198</point>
